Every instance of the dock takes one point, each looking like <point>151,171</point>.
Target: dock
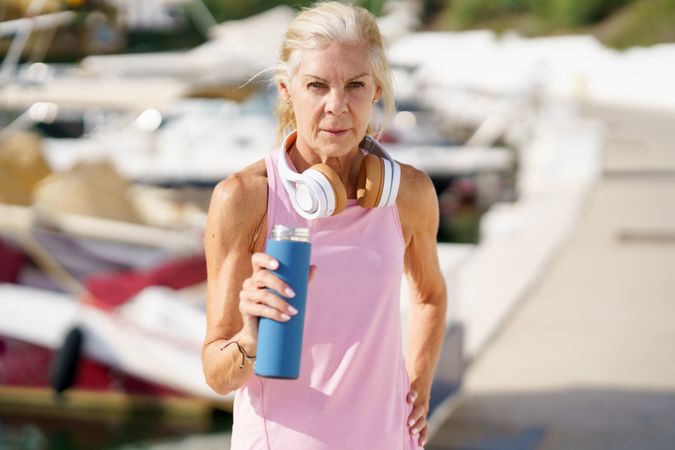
<point>585,359</point>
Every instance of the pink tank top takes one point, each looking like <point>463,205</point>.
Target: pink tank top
<point>351,393</point>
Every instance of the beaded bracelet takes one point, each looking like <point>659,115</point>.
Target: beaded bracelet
<point>244,355</point>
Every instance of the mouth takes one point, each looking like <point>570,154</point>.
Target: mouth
<point>334,131</point>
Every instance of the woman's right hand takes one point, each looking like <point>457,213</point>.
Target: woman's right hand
<point>256,300</point>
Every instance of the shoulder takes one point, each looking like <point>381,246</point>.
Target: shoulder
<point>417,201</point>
<point>416,189</point>
<point>241,187</point>
<point>239,202</point>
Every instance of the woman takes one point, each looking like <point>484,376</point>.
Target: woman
<point>356,390</point>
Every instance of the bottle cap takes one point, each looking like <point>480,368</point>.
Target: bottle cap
<point>284,233</point>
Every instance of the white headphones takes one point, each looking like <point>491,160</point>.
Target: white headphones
<point>318,191</point>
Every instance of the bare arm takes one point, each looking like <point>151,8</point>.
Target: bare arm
<point>237,277</point>
<point>418,207</point>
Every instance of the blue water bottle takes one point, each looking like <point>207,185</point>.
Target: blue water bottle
<point>280,343</point>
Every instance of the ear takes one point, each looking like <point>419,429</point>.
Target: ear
<point>378,93</point>
<point>283,91</point>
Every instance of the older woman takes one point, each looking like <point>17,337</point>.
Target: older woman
<point>378,220</point>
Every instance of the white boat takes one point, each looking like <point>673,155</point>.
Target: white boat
<point>235,51</point>
<point>157,335</point>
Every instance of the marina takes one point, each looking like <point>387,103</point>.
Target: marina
<point>554,241</point>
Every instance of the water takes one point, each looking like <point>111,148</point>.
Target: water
<point>31,432</point>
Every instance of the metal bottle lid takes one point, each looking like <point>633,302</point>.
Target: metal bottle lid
<point>284,233</point>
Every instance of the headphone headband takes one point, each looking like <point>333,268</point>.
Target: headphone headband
<point>373,147</point>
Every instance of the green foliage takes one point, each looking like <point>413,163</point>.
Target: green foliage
<point>224,10</point>
<point>618,23</point>
<point>575,13</point>
<point>431,7</point>
<point>236,9</point>
<point>467,13</point>
<point>153,41</point>
<point>646,22</point>
<point>560,13</point>
<point>374,6</point>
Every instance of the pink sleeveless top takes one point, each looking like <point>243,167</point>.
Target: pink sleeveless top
<point>351,393</point>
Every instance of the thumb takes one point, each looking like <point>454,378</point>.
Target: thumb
<point>251,327</point>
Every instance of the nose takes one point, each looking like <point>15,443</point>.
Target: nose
<point>336,103</point>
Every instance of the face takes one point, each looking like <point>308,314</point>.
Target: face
<point>332,94</point>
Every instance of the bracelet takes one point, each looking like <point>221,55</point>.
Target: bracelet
<point>244,355</point>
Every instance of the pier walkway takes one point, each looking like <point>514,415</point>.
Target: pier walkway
<point>587,358</point>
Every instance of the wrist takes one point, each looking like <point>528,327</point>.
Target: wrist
<point>247,343</point>
<point>423,390</point>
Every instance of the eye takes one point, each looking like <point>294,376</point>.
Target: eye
<point>315,85</point>
<point>357,84</point>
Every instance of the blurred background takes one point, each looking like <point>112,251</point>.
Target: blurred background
<point>547,128</point>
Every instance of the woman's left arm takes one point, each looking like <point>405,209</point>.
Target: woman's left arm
<point>418,210</point>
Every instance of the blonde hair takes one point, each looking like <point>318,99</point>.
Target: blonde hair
<point>333,22</point>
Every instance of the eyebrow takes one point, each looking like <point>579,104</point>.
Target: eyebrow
<point>309,75</point>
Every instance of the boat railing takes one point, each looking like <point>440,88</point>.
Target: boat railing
<point>22,30</point>
<point>39,112</point>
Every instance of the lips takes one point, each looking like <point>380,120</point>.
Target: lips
<point>334,131</point>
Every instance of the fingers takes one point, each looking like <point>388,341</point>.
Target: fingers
<point>255,297</point>
<point>264,303</point>
<point>263,310</point>
<point>423,436</point>
<point>417,421</point>
<point>261,261</point>
<point>266,279</point>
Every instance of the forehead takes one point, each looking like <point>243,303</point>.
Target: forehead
<point>335,59</point>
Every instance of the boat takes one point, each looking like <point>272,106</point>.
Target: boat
<point>73,298</point>
<point>219,68</point>
<point>59,355</point>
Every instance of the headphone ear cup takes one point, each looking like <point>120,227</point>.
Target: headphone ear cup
<point>369,190</point>
<point>339,190</point>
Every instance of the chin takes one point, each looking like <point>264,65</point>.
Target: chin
<point>338,146</point>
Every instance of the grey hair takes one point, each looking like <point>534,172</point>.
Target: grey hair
<point>334,22</point>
